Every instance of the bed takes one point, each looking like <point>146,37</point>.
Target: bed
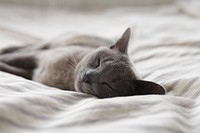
<point>164,46</point>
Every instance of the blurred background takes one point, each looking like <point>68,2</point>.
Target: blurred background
<point>27,21</point>
<point>85,4</point>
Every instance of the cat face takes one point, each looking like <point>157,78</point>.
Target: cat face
<point>108,72</point>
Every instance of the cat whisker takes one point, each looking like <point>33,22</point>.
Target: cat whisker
<point>71,62</point>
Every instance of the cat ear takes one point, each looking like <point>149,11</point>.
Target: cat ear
<point>122,44</point>
<point>146,87</point>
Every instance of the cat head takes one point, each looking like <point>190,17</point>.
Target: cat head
<point>108,72</point>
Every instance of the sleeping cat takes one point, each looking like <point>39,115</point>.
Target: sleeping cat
<point>83,63</point>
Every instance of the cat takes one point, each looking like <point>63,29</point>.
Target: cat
<point>83,63</point>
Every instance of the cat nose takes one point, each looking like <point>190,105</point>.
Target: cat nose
<point>87,78</point>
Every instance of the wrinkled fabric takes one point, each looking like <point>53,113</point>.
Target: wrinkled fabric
<point>164,46</point>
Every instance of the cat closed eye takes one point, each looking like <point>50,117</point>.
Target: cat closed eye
<point>106,61</point>
<point>97,63</point>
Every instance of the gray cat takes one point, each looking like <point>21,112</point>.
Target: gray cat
<point>83,63</point>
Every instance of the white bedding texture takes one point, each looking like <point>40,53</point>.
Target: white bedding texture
<point>164,46</point>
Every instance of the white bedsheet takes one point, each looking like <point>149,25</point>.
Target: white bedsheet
<point>165,47</point>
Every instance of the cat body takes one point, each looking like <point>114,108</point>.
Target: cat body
<point>82,63</point>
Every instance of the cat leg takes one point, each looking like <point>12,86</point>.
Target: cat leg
<point>26,48</point>
<point>9,49</point>
<point>20,60</point>
<point>21,64</point>
<point>16,71</point>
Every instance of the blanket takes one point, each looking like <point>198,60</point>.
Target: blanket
<point>164,46</point>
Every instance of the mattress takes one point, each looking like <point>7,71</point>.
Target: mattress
<point>164,46</point>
